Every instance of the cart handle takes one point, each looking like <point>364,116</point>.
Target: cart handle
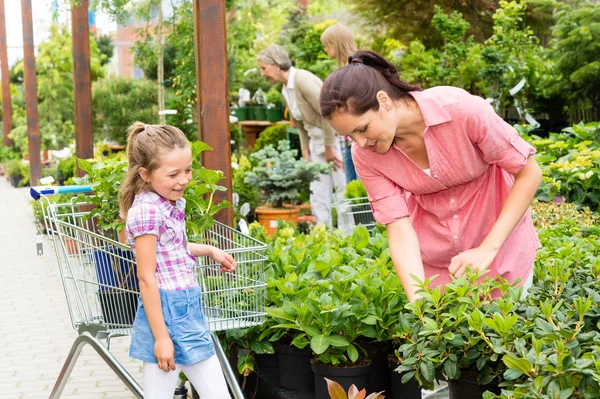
<point>38,191</point>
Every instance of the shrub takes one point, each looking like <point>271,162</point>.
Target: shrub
<point>118,102</point>
<point>271,136</point>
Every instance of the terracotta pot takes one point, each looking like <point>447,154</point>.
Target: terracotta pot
<point>268,217</point>
<point>71,245</point>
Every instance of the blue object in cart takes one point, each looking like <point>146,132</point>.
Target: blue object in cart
<point>105,261</point>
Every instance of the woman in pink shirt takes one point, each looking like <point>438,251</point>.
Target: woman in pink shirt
<point>448,177</point>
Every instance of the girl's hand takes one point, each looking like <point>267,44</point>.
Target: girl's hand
<point>165,354</point>
<point>226,260</point>
<point>477,259</point>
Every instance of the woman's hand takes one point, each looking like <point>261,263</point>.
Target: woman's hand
<point>165,354</point>
<point>306,155</point>
<point>331,156</point>
<point>227,262</point>
<point>479,258</point>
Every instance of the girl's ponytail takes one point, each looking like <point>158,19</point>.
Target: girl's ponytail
<point>354,87</point>
<point>133,183</point>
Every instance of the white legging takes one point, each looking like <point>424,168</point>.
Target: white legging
<point>206,377</point>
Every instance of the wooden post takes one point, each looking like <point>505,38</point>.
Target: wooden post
<point>213,104</point>
<point>6,101</point>
<point>160,73</point>
<point>82,76</point>
<point>31,101</point>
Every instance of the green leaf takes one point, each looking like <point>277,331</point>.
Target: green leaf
<point>85,165</point>
<point>339,341</point>
<point>352,353</point>
<point>427,370</point>
<point>319,344</point>
<point>521,365</point>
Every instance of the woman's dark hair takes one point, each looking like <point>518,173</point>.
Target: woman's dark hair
<point>353,88</point>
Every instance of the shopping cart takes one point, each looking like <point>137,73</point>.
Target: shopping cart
<point>98,274</point>
<point>359,208</point>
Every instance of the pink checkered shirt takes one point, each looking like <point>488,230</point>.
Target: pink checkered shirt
<point>152,214</point>
<point>473,155</point>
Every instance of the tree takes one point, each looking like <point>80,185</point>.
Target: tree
<point>511,54</point>
<point>408,20</point>
<point>456,63</point>
<point>577,54</point>
<point>106,48</point>
<point>54,66</point>
<point>118,102</point>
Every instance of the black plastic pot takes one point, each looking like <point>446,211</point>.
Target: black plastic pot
<point>467,387</point>
<point>294,368</point>
<point>379,377</point>
<point>345,376</point>
<point>267,361</point>
<point>410,390</point>
<point>15,180</point>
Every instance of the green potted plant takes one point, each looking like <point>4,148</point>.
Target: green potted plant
<point>13,171</point>
<point>280,177</point>
<point>459,335</point>
<point>260,107</point>
<point>274,105</point>
<point>251,110</point>
<point>241,113</point>
<point>65,169</point>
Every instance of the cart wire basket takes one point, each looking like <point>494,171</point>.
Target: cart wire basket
<point>99,277</point>
<point>359,208</point>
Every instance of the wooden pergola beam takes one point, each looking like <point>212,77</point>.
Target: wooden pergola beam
<point>210,40</point>
<point>31,100</point>
<point>6,100</point>
<point>82,76</point>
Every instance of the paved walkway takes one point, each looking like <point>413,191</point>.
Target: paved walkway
<point>35,329</point>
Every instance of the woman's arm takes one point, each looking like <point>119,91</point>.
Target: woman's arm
<point>146,269</point>
<point>522,192</point>
<point>406,255</point>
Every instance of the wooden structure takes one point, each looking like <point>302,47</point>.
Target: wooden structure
<point>6,101</point>
<point>82,77</point>
<point>31,101</point>
<point>212,93</point>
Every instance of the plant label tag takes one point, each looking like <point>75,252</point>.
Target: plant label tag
<point>39,243</point>
<point>273,223</point>
<point>244,227</point>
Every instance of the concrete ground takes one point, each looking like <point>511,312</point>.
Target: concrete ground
<point>35,328</point>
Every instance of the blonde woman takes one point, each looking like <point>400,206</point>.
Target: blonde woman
<point>339,44</point>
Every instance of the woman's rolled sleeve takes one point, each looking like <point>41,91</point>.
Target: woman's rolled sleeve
<point>499,142</point>
<point>143,218</point>
<point>387,199</point>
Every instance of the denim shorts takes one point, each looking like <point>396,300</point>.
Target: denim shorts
<point>182,311</point>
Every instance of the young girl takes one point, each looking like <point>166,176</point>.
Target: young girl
<point>169,332</point>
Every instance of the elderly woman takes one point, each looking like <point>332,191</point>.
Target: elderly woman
<point>318,141</point>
